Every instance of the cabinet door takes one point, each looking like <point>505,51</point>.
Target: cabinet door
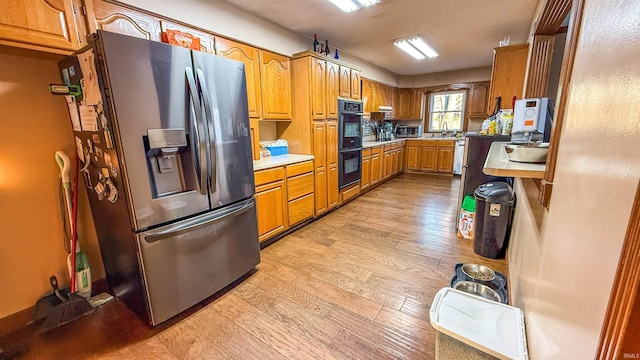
<point>445,160</point>
<point>415,108</point>
<point>428,158</point>
<point>355,85</point>
<point>507,74</point>
<point>332,163</point>
<point>402,162</point>
<point>40,25</point>
<point>388,164</point>
<point>413,158</point>
<point>375,169</point>
<point>270,207</point>
<point>254,128</point>
<point>249,56</point>
<point>102,15</point>
<point>478,99</point>
<point>367,97</point>
<point>206,39</point>
<point>300,209</point>
<point>345,82</point>
<point>396,161</point>
<point>275,83</point>
<point>320,163</point>
<point>318,89</point>
<point>332,187</point>
<point>366,172</point>
<point>333,90</point>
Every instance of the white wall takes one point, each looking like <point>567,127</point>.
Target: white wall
<point>562,263</point>
<point>226,19</point>
<point>447,77</point>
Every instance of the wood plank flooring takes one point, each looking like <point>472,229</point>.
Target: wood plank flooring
<point>355,284</point>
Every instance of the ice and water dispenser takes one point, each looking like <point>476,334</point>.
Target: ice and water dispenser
<point>168,162</point>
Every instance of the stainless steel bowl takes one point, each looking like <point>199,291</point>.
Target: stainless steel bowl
<point>527,152</point>
<point>478,272</point>
<point>477,289</point>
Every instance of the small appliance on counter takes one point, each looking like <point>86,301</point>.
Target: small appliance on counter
<point>532,120</point>
<point>407,131</point>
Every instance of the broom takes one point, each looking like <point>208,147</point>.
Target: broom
<point>74,306</point>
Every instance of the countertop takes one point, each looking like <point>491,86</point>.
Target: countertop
<point>279,160</point>
<point>497,164</point>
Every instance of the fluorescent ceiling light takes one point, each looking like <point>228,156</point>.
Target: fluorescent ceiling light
<point>416,47</point>
<point>352,5</point>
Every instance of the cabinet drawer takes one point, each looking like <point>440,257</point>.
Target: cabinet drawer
<point>366,152</point>
<point>301,209</point>
<point>446,143</point>
<point>387,147</point>
<point>350,193</point>
<point>394,146</point>
<point>375,150</point>
<point>429,142</point>
<point>269,175</point>
<point>299,168</point>
<point>300,185</point>
<point>414,142</point>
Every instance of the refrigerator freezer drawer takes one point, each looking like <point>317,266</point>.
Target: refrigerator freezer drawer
<point>186,262</point>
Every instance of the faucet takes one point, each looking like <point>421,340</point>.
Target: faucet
<point>445,129</point>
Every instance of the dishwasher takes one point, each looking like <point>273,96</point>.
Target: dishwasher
<point>457,157</point>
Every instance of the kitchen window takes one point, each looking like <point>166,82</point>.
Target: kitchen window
<point>446,110</point>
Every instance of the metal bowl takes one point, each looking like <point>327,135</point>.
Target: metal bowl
<point>527,152</point>
<point>478,272</point>
<point>477,289</point>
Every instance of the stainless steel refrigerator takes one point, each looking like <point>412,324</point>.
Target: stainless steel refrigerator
<point>476,148</point>
<point>162,133</point>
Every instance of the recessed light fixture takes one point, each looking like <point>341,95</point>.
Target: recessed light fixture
<point>416,47</point>
<point>353,5</point>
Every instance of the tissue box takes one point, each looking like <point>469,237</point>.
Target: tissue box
<point>278,149</point>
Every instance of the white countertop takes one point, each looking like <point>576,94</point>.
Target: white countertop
<point>368,144</point>
<point>279,160</point>
<point>497,164</point>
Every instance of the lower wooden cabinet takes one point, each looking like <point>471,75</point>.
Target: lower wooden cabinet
<point>271,200</point>
<point>284,197</point>
<point>430,156</point>
<point>366,169</point>
<point>349,193</point>
<point>375,173</point>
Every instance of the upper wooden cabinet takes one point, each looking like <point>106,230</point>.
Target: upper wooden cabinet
<point>275,75</point>
<point>407,103</point>
<point>507,74</point>
<point>250,57</point>
<point>318,89</point>
<point>356,92</point>
<point>333,90</point>
<point>478,100</point>
<point>375,95</point>
<point>102,15</point>
<point>46,25</point>
<point>345,82</point>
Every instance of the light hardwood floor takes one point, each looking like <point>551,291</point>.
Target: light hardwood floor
<point>356,284</point>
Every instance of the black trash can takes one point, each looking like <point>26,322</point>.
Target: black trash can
<point>494,201</point>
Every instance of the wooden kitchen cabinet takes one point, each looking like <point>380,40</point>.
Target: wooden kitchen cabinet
<point>345,82</point>
<point>428,156</point>
<point>333,90</point>
<point>271,200</point>
<point>44,25</point>
<point>332,164</point>
<point>102,15</point>
<point>356,91</point>
<point>321,170</point>
<point>374,95</point>
<point>407,104</point>
<point>300,195</point>
<point>413,155</point>
<point>444,161</point>
<point>507,75</point>
<point>388,164</point>
<point>275,85</point>
<point>365,181</point>
<point>478,100</point>
<point>376,169</point>
<point>318,89</point>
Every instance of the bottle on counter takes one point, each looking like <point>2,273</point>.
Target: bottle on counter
<point>336,55</point>
<point>316,44</point>
<point>326,48</point>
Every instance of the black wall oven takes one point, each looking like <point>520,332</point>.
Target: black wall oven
<point>349,142</point>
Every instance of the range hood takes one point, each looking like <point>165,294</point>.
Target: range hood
<point>383,113</point>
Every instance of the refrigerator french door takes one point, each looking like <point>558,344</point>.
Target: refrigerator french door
<point>163,137</point>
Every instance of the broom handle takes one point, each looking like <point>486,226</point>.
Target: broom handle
<point>74,228</point>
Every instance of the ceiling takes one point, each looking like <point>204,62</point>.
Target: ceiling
<point>463,32</point>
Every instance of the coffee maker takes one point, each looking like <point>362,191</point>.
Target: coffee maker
<point>532,120</point>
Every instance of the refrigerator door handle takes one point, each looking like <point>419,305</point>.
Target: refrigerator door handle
<point>196,223</point>
<point>198,146</point>
<point>209,116</point>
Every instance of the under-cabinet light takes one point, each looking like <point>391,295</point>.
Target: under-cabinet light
<point>353,5</point>
<point>416,47</point>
